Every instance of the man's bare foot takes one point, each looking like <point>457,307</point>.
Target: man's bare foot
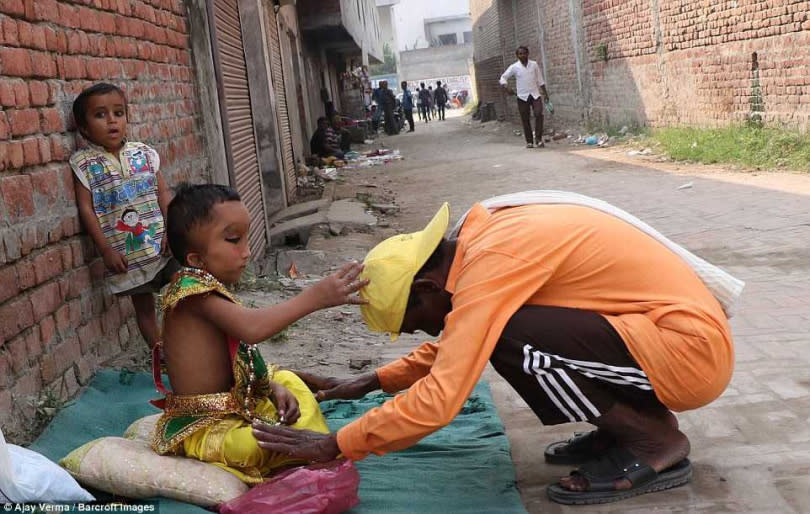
<point>652,436</point>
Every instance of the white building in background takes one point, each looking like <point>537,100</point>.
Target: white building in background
<point>388,29</point>
<point>427,23</point>
<point>431,39</point>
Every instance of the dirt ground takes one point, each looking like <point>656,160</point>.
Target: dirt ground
<point>701,207</point>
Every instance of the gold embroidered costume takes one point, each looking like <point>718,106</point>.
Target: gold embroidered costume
<point>216,427</point>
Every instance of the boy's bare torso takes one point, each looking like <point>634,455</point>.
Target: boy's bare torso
<point>196,352</point>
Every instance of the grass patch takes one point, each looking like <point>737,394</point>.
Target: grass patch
<point>749,147</point>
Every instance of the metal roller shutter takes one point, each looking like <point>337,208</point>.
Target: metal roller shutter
<point>279,90</point>
<point>237,117</point>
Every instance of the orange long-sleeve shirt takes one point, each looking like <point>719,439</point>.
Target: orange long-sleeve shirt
<point>558,255</point>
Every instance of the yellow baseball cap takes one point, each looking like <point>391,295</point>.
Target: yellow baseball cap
<point>391,266</point>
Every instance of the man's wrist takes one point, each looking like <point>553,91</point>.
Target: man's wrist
<point>371,382</point>
<point>330,447</point>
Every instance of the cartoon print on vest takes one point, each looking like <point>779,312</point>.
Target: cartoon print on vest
<point>137,234</point>
<point>138,161</point>
<point>96,168</point>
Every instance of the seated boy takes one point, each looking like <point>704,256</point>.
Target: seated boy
<point>342,135</point>
<point>220,381</point>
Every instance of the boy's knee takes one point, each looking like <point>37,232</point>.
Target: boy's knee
<point>285,376</point>
<point>241,449</point>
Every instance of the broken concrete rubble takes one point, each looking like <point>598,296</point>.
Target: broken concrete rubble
<point>350,214</point>
<point>300,209</point>
<point>298,228</point>
<point>307,262</point>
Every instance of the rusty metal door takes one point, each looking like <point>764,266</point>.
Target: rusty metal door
<point>277,72</point>
<point>237,116</point>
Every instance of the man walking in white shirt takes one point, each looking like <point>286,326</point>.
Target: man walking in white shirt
<point>531,94</point>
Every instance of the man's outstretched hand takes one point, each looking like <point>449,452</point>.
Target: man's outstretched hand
<point>302,444</point>
<point>340,388</point>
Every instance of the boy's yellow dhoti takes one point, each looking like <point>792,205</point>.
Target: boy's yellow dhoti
<point>230,444</point>
<point>216,428</point>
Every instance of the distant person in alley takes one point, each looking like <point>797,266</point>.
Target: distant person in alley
<point>324,142</point>
<point>589,314</point>
<point>388,102</point>
<point>440,96</point>
<point>407,104</point>
<point>424,102</point>
<point>531,94</point>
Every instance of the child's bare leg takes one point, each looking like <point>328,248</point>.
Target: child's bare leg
<point>147,318</point>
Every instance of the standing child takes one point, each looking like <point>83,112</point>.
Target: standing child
<point>220,383</point>
<point>122,199</point>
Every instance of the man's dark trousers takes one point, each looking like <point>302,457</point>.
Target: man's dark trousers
<point>390,124</point>
<point>440,109</point>
<point>536,105</point>
<point>409,117</point>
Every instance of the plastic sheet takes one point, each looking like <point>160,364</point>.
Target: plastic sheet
<point>328,488</point>
<point>28,477</point>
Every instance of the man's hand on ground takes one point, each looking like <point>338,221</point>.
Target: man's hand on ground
<point>332,388</point>
<point>302,444</point>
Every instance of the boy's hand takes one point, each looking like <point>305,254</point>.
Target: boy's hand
<point>115,261</point>
<point>164,246</point>
<point>339,288</point>
<point>286,404</point>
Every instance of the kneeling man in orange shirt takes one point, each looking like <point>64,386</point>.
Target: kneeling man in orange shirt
<point>588,318</point>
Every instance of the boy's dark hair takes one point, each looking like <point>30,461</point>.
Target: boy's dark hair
<point>521,47</point>
<point>438,82</point>
<point>422,84</point>
<point>192,206</point>
<point>127,211</point>
<point>80,103</point>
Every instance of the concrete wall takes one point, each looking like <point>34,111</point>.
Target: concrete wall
<point>660,62</point>
<point>410,16</point>
<point>457,26</point>
<point>57,322</point>
<point>435,63</point>
<point>361,20</point>
<point>388,29</point>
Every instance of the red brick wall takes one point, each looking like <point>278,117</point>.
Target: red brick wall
<point>488,52</point>
<point>561,63</point>
<point>57,322</point>
<point>624,26</point>
<point>673,61</point>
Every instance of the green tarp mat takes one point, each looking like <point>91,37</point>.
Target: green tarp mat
<point>465,467</point>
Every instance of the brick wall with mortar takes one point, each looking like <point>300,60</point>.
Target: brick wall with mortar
<point>487,52</point>
<point>672,62</point>
<point>57,322</point>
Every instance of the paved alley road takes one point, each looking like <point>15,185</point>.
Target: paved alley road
<point>751,448</point>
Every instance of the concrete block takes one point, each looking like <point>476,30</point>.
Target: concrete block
<point>385,208</point>
<point>350,214</point>
<point>297,227</point>
<point>337,229</point>
<point>298,210</point>
<point>307,262</point>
